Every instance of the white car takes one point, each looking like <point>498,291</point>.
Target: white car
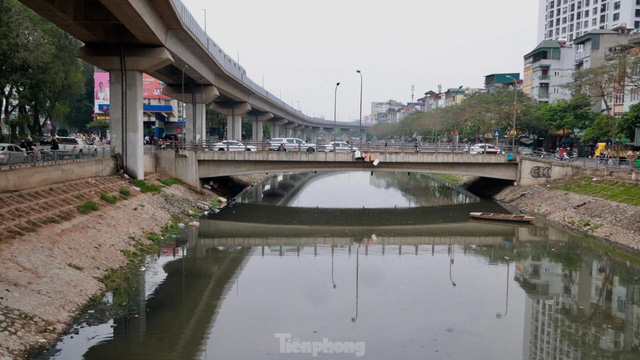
<point>233,145</point>
<point>71,146</point>
<point>11,154</point>
<point>485,149</point>
<point>338,146</point>
<point>290,144</point>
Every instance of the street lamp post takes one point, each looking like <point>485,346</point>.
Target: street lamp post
<point>515,107</point>
<point>335,102</point>
<point>360,125</point>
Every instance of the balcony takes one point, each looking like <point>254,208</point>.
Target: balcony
<point>543,93</point>
<point>544,78</point>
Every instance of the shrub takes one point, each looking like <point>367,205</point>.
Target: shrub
<point>111,199</point>
<point>144,187</point>
<point>87,207</point>
<point>125,192</point>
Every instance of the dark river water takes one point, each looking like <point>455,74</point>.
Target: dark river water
<point>374,266</point>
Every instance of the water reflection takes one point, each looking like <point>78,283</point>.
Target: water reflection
<point>229,295</point>
<point>411,283</point>
<point>362,189</point>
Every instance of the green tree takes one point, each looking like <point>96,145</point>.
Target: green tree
<point>39,72</point>
<point>626,126</point>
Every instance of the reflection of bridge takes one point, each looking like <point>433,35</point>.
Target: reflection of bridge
<point>172,324</point>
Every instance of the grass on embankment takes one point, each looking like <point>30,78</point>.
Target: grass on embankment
<point>619,191</point>
<point>453,179</point>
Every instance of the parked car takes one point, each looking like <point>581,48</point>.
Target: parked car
<point>525,151</point>
<point>485,149</point>
<point>233,145</point>
<point>11,154</point>
<point>71,146</point>
<point>45,140</point>
<point>340,146</point>
<point>290,144</point>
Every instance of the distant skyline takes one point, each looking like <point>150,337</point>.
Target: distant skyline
<point>303,49</point>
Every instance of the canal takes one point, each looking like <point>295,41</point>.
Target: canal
<point>370,265</point>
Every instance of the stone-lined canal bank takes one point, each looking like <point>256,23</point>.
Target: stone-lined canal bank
<point>53,258</point>
<point>609,220</point>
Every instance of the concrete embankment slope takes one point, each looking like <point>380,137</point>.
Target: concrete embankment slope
<point>52,257</point>
<point>606,219</point>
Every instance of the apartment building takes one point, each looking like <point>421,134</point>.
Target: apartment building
<point>570,19</point>
<point>547,71</point>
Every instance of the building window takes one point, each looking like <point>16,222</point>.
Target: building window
<point>550,34</point>
<point>564,30</point>
<point>594,11</point>
<point>557,32</point>
<point>573,7</point>
<point>586,24</point>
<point>571,28</point>
<point>578,26</point>
<point>616,5</point>
<point>603,7</point>
<point>637,12</point>
<point>616,16</point>
<point>564,20</point>
<point>579,5</point>
<point>577,15</point>
<point>570,37</point>
<point>594,22</point>
<point>603,18</point>
<point>550,14</point>
<point>558,22</point>
<point>586,13</point>
<point>571,17</point>
<point>551,4</point>
<point>637,2</point>
<point>586,3</point>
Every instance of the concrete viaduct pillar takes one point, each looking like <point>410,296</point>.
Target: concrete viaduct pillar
<point>256,128</point>
<point>234,112</point>
<point>126,66</point>
<point>277,129</point>
<point>314,135</point>
<point>196,98</point>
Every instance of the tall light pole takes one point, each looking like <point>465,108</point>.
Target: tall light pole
<point>360,126</point>
<point>515,107</point>
<point>205,27</point>
<point>182,100</point>
<point>335,102</point>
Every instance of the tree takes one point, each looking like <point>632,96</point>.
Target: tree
<point>626,126</point>
<point>38,68</point>
<point>601,83</point>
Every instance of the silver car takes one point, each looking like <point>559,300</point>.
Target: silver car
<point>11,154</point>
<point>338,146</point>
<point>233,145</point>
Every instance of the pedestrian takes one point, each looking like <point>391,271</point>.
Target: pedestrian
<point>29,142</point>
<point>55,147</point>
<point>23,144</point>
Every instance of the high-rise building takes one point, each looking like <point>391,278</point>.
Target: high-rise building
<point>570,19</point>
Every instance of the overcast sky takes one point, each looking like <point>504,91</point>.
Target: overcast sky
<point>303,48</point>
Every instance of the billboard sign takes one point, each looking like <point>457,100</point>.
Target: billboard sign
<point>101,91</point>
<point>152,88</point>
